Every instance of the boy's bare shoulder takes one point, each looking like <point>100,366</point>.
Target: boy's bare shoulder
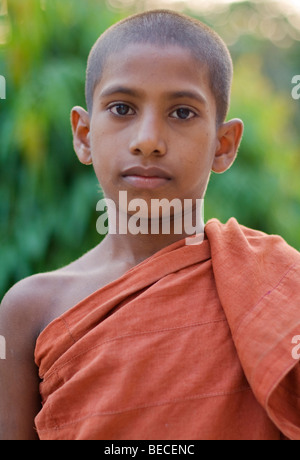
<point>38,299</point>
<point>28,301</point>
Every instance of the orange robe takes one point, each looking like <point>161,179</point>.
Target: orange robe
<point>193,343</point>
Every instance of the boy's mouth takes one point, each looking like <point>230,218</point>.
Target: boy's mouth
<point>141,177</point>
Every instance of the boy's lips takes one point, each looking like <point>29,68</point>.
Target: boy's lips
<point>149,178</point>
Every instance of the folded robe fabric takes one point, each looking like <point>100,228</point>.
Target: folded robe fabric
<point>196,342</point>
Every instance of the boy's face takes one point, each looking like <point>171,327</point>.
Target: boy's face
<point>153,108</point>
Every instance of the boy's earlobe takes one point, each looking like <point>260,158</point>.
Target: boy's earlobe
<point>80,122</point>
<point>229,138</point>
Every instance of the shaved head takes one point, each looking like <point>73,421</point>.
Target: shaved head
<point>165,28</point>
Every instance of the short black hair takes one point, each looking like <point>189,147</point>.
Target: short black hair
<point>166,27</point>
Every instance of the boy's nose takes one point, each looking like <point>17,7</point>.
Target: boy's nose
<point>148,137</point>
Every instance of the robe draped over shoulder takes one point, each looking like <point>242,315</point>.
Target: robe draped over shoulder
<point>196,342</point>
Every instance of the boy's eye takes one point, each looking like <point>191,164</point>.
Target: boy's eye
<point>183,114</point>
<point>121,109</point>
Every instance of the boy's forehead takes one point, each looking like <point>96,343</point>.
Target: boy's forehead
<point>147,62</point>
<point>153,53</point>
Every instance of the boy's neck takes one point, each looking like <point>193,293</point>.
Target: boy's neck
<point>134,248</point>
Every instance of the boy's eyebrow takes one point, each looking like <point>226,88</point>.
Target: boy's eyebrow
<point>118,89</point>
<point>187,94</point>
<point>170,95</point>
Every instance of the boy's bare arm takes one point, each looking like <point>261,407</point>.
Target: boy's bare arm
<point>19,392</point>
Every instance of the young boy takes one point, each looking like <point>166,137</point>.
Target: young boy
<point>148,336</point>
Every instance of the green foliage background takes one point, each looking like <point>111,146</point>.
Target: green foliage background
<point>48,199</point>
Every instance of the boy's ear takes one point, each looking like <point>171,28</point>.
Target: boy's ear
<point>229,138</point>
<point>80,122</point>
